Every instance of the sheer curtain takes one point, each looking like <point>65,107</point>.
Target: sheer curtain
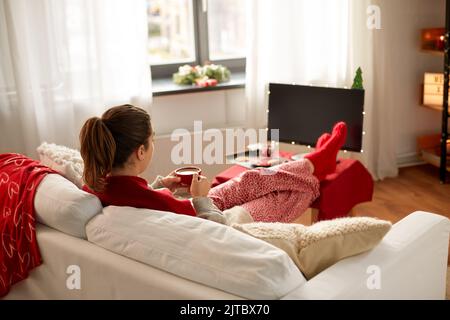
<point>320,42</point>
<point>62,61</point>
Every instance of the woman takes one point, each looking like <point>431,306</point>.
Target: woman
<point>118,147</point>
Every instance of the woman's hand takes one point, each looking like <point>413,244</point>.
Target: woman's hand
<point>171,182</point>
<point>200,186</point>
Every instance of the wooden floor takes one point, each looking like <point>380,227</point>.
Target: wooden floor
<point>415,189</point>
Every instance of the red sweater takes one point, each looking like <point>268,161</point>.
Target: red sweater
<point>132,191</point>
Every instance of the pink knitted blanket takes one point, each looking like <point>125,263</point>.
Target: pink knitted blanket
<point>278,194</point>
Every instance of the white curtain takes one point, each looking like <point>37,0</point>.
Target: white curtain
<point>320,42</point>
<point>62,61</point>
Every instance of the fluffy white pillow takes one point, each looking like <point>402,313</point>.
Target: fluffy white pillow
<point>196,249</point>
<point>65,160</point>
<point>61,205</point>
<point>317,247</point>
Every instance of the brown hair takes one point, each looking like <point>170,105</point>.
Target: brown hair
<point>108,142</point>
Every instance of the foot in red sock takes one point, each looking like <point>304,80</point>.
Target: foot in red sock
<point>340,129</point>
<point>324,159</point>
<point>322,140</point>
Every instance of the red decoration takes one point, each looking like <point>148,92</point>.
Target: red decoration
<point>203,83</point>
<point>433,39</point>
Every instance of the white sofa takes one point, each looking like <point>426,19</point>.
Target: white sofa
<point>409,263</point>
<point>128,253</point>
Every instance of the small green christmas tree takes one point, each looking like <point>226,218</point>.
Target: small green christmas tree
<point>358,81</point>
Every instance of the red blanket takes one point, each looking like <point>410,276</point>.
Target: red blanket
<point>19,252</point>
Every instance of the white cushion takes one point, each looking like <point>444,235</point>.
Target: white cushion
<point>196,249</point>
<point>65,160</point>
<point>61,205</point>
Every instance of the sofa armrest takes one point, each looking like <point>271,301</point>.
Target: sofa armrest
<point>409,263</point>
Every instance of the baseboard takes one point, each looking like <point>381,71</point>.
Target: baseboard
<point>408,160</point>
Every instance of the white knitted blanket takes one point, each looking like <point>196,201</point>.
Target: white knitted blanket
<point>65,160</point>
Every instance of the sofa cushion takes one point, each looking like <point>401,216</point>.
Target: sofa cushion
<point>321,245</point>
<point>196,249</point>
<point>61,205</point>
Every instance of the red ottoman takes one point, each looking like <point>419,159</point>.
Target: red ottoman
<point>349,185</point>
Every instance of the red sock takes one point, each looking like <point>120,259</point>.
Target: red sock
<point>322,140</point>
<point>324,159</point>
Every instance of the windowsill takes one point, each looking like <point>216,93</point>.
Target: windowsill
<point>164,87</point>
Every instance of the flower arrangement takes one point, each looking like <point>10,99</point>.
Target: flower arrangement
<point>202,76</point>
<point>186,74</point>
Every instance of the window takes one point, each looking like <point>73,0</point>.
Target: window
<point>226,29</point>
<point>195,32</point>
<point>170,31</point>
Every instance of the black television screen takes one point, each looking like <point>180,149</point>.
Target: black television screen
<point>303,113</point>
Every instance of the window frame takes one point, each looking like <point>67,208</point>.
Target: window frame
<point>201,50</point>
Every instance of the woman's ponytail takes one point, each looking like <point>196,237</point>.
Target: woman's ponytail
<point>98,149</point>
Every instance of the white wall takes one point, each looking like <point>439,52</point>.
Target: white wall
<point>215,108</point>
<point>402,21</point>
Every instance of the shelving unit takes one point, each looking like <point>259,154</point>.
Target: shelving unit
<point>433,158</point>
<point>434,149</point>
<point>434,107</point>
<point>434,52</point>
<point>429,148</point>
<point>443,168</point>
